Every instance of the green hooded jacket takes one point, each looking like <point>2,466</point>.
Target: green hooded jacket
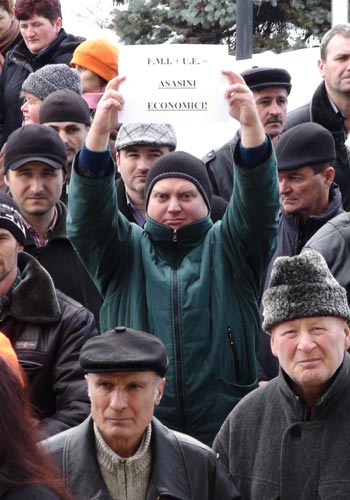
<point>196,288</point>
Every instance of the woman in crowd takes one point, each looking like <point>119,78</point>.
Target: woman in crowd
<point>25,471</point>
<point>44,42</point>
<point>9,29</point>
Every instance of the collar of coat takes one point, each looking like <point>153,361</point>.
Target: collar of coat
<point>325,404</point>
<point>34,300</point>
<point>169,475</point>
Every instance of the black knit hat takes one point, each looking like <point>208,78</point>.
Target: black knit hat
<point>11,218</point>
<point>259,78</point>
<point>302,287</point>
<point>124,349</point>
<point>35,142</point>
<point>305,144</point>
<point>64,106</point>
<point>182,165</point>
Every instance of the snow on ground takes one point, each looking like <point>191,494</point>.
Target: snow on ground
<point>85,18</point>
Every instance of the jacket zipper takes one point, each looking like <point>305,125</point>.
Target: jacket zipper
<point>177,338</point>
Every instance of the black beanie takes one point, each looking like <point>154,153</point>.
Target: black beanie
<point>11,219</point>
<point>305,144</point>
<point>182,165</point>
<point>64,106</point>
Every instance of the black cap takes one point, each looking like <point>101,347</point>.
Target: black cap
<point>64,106</point>
<point>179,164</point>
<point>124,349</point>
<point>259,78</point>
<point>35,142</point>
<point>305,144</point>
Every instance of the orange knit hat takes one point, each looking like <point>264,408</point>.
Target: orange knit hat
<point>99,56</point>
<point>8,354</point>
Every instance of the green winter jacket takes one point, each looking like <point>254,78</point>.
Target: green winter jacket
<point>196,289</point>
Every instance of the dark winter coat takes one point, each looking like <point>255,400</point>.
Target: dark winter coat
<point>320,110</point>
<point>47,330</point>
<point>275,450</point>
<point>219,163</point>
<point>182,467</point>
<point>64,266</point>
<point>333,242</point>
<point>19,63</point>
<point>27,492</point>
<point>292,236</point>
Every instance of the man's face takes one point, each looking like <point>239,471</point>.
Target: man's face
<point>303,192</point>
<point>272,104</point>
<point>30,108</point>
<point>9,249</point>
<point>36,187</point>
<point>122,406</point>
<point>310,350</point>
<point>38,32</point>
<point>176,202</point>
<point>336,68</point>
<point>72,134</point>
<point>133,164</point>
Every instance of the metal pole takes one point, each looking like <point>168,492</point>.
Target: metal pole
<point>340,12</point>
<point>244,29</point>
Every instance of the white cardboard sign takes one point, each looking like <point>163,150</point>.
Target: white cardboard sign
<point>173,83</point>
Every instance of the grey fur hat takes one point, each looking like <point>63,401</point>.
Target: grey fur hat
<point>302,287</point>
<point>52,77</point>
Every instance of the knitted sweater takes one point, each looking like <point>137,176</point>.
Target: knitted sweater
<point>125,478</point>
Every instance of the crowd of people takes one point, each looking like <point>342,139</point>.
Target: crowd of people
<point>170,327</point>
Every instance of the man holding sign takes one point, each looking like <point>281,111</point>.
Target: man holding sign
<point>193,284</point>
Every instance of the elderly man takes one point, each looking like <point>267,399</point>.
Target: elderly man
<point>138,145</point>
<point>290,438</point>
<point>122,451</point>
<point>193,284</point>
<point>330,104</point>
<point>271,87</point>
<point>309,197</point>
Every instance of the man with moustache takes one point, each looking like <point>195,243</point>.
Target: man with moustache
<point>271,87</point>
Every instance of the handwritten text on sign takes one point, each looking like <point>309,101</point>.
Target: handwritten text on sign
<point>172,83</point>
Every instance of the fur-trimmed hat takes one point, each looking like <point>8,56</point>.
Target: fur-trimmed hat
<point>305,144</point>
<point>146,134</point>
<point>124,349</point>
<point>179,164</point>
<point>11,218</point>
<point>302,287</point>
<point>259,78</point>
<point>52,77</point>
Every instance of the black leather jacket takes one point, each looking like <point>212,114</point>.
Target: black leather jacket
<point>333,242</point>
<point>220,164</point>
<point>182,467</point>
<point>47,330</point>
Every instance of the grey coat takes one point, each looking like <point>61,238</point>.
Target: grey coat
<point>275,450</point>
